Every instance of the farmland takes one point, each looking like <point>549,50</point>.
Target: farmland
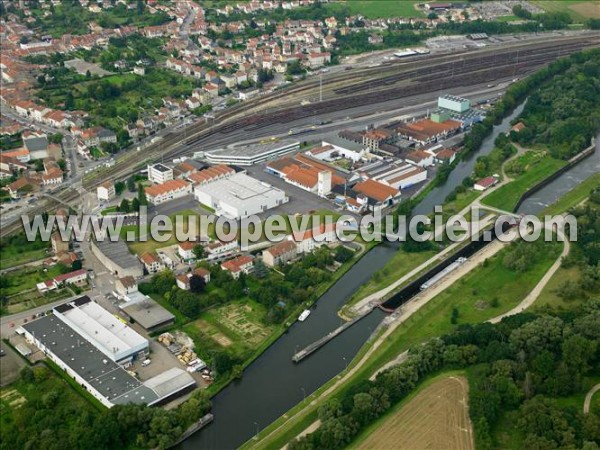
<point>436,417</point>
<point>378,8</point>
<point>578,10</point>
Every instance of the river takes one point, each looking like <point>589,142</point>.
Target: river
<point>273,384</point>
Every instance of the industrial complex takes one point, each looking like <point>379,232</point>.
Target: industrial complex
<point>95,348</point>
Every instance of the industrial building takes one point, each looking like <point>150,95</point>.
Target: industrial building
<point>451,107</point>
<point>248,155</point>
<point>454,103</point>
<point>117,258</point>
<point>239,196</point>
<point>159,173</point>
<point>140,308</point>
<point>169,190</point>
<point>396,174</point>
<point>103,330</point>
<point>307,172</point>
<point>427,131</point>
<point>103,378</point>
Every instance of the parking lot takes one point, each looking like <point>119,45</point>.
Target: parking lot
<point>301,201</point>
<point>10,365</point>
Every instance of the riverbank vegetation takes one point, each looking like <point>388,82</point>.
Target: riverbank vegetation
<point>564,114</point>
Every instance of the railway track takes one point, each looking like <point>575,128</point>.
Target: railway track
<point>412,78</point>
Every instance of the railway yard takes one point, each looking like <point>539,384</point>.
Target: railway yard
<point>348,96</point>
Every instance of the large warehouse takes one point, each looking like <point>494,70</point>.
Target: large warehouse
<point>248,155</point>
<point>117,258</point>
<point>239,196</point>
<point>106,380</point>
<point>103,330</point>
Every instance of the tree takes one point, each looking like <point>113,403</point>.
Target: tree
<point>124,207</point>
<point>76,265</point>
<point>198,252</point>
<point>135,205</point>
<point>142,195</point>
<point>131,184</point>
<point>56,138</point>
<point>343,254</point>
<point>454,316</point>
<point>521,12</point>
<point>295,68</point>
<point>197,284</point>
<point>119,187</point>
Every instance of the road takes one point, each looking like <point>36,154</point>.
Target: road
<point>588,398</point>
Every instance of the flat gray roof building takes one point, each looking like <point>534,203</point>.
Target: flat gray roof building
<point>145,311</point>
<point>247,155</point>
<point>117,258</point>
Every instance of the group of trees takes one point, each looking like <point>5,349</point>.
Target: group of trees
<point>520,365</point>
<point>587,251</point>
<point>565,114</point>
<point>492,163</point>
<point>547,80</point>
<point>127,206</point>
<point>54,417</point>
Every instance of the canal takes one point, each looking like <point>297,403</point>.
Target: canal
<point>554,190</point>
<point>273,384</point>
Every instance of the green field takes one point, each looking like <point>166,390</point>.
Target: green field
<point>17,249</point>
<point>32,299</point>
<point>461,201</point>
<point>574,197</point>
<point>536,168</point>
<point>378,8</point>
<point>578,10</point>
<point>508,18</point>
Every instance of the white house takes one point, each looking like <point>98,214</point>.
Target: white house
<point>106,191</point>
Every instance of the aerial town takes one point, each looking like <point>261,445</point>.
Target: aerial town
<point>201,212</point>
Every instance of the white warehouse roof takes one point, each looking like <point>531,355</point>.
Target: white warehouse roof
<point>109,335</point>
<point>239,196</point>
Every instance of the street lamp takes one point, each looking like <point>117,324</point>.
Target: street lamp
<point>345,362</point>
<point>303,394</point>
